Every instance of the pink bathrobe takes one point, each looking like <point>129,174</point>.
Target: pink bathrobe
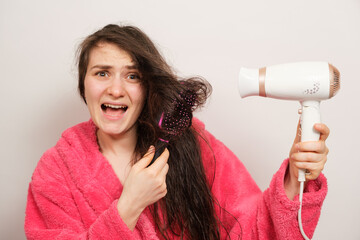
<point>74,192</point>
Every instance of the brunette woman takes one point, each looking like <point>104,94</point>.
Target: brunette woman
<point>99,180</point>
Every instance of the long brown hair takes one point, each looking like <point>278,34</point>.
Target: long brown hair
<point>188,208</point>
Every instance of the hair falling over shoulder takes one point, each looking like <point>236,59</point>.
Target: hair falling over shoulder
<point>187,210</point>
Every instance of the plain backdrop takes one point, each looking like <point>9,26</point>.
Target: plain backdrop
<point>39,100</point>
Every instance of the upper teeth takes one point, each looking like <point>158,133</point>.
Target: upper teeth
<point>114,106</point>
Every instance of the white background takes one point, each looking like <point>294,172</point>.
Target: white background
<point>213,39</point>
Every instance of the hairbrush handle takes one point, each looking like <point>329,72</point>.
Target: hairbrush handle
<point>159,149</point>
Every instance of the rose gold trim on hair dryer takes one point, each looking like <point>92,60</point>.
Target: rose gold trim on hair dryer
<point>262,74</point>
<point>334,75</point>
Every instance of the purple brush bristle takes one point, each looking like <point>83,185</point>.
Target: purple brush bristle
<point>179,118</point>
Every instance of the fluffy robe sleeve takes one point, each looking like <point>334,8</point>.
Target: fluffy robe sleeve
<point>246,211</point>
<point>73,194</point>
<point>54,213</point>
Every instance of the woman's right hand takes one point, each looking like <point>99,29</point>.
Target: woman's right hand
<point>143,186</point>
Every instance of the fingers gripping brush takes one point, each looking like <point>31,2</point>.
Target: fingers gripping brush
<point>174,121</point>
<point>307,82</point>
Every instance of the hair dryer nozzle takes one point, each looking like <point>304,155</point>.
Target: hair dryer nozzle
<point>248,82</point>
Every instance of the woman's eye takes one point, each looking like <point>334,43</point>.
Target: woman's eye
<point>133,76</point>
<point>102,74</point>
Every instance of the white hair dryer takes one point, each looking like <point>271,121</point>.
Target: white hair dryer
<point>307,82</point>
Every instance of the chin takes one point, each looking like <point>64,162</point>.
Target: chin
<point>111,129</point>
<point>116,129</point>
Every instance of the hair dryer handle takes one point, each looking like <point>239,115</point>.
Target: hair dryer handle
<point>310,115</point>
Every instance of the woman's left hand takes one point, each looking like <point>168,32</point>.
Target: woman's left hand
<point>311,156</point>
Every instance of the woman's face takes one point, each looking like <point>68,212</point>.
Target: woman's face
<point>113,90</point>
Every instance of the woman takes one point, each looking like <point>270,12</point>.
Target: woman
<point>99,181</point>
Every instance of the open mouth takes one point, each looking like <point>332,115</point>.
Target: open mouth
<point>113,110</point>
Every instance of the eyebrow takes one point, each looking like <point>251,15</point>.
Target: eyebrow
<point>105,67</point>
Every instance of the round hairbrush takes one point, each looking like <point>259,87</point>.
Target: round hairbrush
<point>174,121</point>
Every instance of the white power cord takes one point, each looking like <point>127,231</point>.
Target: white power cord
<point>301,179</point>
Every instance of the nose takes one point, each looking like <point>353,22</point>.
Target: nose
<point>116,87</point>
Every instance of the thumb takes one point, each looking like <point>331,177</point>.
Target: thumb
<point>146,159</point>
